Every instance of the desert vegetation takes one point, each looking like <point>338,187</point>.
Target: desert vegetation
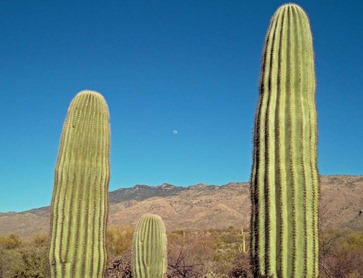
<point>191,253</point>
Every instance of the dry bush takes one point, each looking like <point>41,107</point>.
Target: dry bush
<point>191,254</point>
<point>119,240</point>
<point>119,246</point>
<point>341,254</point>
<point>120,266</point>
<point>23,259</point>
<point>188,253</point>
<point>241,266</point>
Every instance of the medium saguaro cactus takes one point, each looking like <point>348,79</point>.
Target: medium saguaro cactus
<point>284,180</point>
<point>149,248</point>
<point>80,195</point>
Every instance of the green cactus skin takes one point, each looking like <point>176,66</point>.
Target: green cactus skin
<point>284,179</point>
<point>80,195</point>
<point>150,248</point>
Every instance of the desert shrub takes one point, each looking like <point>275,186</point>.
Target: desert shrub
<point>201,253</point>
<point>23,259</point>
<point>191,254</point>
<point>120,266</point>
<point>119,246</point>
<point>11,241</point>
<point>241,266</point>
<point>119,240</point>
<point>341,254</point>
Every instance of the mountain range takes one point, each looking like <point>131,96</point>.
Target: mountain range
<point>202,207</point>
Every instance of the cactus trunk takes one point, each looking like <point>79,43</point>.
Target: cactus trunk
<point>284,180</point>
<point>149,248</point>
<point>80,195</point>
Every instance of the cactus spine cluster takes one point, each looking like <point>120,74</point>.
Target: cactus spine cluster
<point>80,195</point>
<point>149,248</point>
<point>284,180</point>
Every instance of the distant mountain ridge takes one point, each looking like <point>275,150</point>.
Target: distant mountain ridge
<point>141,192</point>
<point>202,206</point>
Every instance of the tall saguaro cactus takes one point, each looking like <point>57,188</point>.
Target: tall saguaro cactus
<point>80,195</point>
<point>284,180</point>
<point>150,248</point>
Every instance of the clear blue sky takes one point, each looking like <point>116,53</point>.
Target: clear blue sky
<point>190,66</point>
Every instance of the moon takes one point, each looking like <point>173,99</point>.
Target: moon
<point>175,132</point>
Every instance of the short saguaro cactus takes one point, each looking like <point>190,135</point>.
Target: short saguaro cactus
<point>150,248</point>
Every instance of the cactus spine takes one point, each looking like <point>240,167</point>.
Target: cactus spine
<point>284,179</point>
<point>80,195</point>
<point>149,248</point>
